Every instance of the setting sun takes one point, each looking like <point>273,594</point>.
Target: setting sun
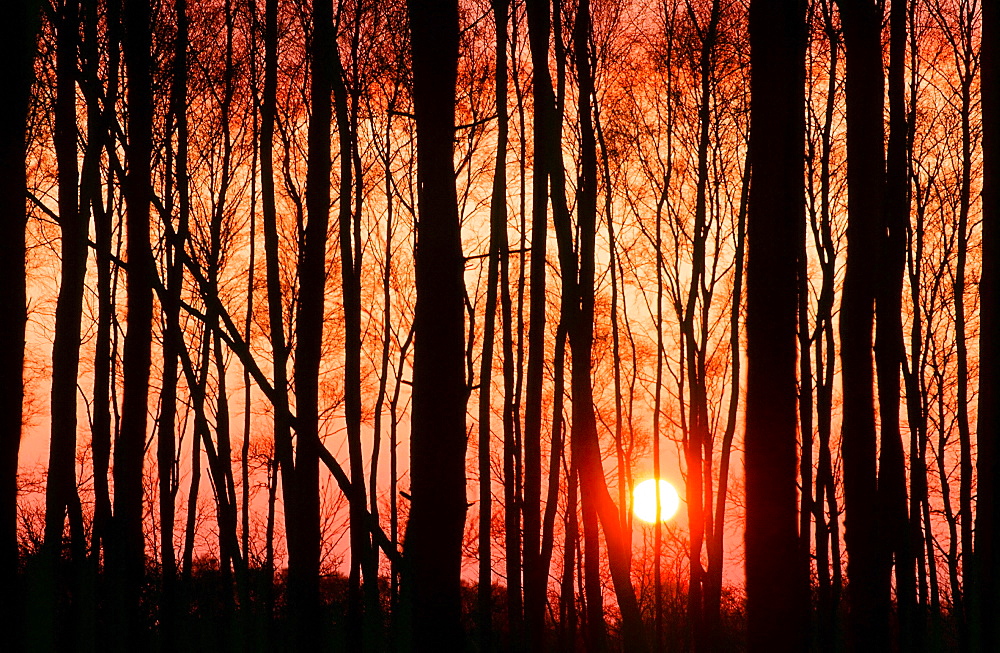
<point>644,496</point>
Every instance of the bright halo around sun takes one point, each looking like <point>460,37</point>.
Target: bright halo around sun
<point>644,498</point>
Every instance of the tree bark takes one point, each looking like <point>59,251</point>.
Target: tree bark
<point>889,346</point>
<point>868,571</point>
<point>988,427</point>
<point>433,547</point>
<point>127,555</point>
<point>17,47</point>
<point>546,139</point>
<point>497,253</point>
<point>577,269</point>
<point>777,581</point>
<point>304,531</point>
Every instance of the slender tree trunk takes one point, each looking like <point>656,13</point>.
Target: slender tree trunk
<point>196,386</point>
<point>433,548</point>
<point>777,580</point>
<point>497,253</point>
<point>699,477</point>
<point>827,531</point>
<point>350,274</point>
<point>128,552</point>
<point>545,138</point>
<point>962,347</point>
<point>567,597</point>
<point>102,426</point>
<point>868,591</point>
<point>173,337</point>
<point>716,549</point>
<point>578,286</point>
<point>912,372</point>
<point>889,346</point>
<point>60,492</point>
<point>275,303</point>
<point>304,531</point>
<point>61,495</point>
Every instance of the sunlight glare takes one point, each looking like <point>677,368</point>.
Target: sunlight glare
<point>644,499</point>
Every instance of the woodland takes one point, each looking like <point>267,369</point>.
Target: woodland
<point>352,324</point>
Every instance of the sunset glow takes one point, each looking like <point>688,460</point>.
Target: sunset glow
<point>644,501</point>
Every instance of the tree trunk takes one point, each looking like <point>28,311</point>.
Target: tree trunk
<point>102,426</point>
<point>60,491</point>
<point>545,139</point>
<point>988,433</point>
<point>868,571</point>
<point>60,495</point>
<point>350,275</point>
<point>578,288</point>
<point>777,580</point>
<point>889,346</point>
<point>173,338</point>
<point>433,547</point>
<point>304,531</point>
<point>275,303</point>
<point>17,36</point>
<point>497,253</point>
<point>127,559</point>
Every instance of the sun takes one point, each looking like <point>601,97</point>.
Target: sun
<point>644,496</point>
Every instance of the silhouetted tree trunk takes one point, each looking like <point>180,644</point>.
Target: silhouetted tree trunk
<point>546,140</point>
<point>889,347</point>
<point>923,554</point>
<point>90,202</point>
<point>868,590</point>
<point>60,491</point>
<point>275,303</point>
<point>698,482</point>
<point>568,616</point>
<point>777,581</point>
<point>497,255</point>
<point>433,547</point>
<point>577,267</point>
<point>350,274</point>
<point>716,543</point>
<point>127,559</point>
<point>304,532</point>
<point>988,429</point>
<point>965,61</point>
<point>17,49</point>
<point>196,387</point>
<point>166,454</point>
<point>101,410</point>
<point>825,504</point>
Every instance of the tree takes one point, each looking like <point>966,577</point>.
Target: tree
<point>988,427</point>
<point>777,589</point>
<point>127,545</point>
<point>868,590</point>
<point>433,545</point>
<point>17,35</point>
<point>304,532</point>
<point>497,257</point>
<point>889,346</point>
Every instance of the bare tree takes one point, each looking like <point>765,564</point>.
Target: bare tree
<point>777,587</point>
<point>18,42</point>
<point>127,550</point>
<point>433,546</point>
<point>988,516</point>
<point>868,591</point>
